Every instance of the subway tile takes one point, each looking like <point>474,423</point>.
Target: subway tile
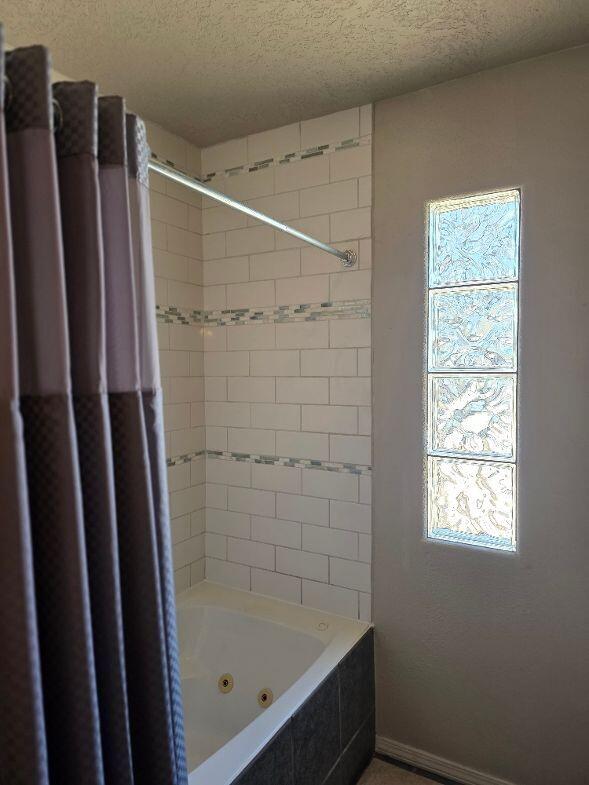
<point>291,444</point>
<point>252,440</point>
<point>276,415</point>
<point>186,501</point>
<point>302,390</point>
<point>229,472</point>
<point>334,127</point>
<point>215,545</point>
<point>304,509</point>
<point>365,191</point>
<point>228,413</point>
<point>163,336</point>
<point>351,449</point>
<point>276,478</point>
<point>181,579</point>
<point>180,528</point>
<point>161,291</point>
<point>188,551</point>
<point>222,219</point>
<point>170,265</point>
<point>365,490</point>
<point>252,336</point>
<point>365,420</point>
<point>254,554</point>
<point>216,496</point>
<point>328,362</point>
<point>330,419</point>
<point>254,239</point>
<point>232,524</point>
<point>302,564</point>
<point>166,144</point>
<point>302,335</point>
<point>276,532</point>
<point>349,516</point>
<point>329,198</point>
<point>213,246</point>
<point>214,338</point>
<point>331,599</point>
<point>347,333</point>
<point>225,155</point>
<point>314,261</point>
<point>365,119</point>
<point>304,173</point>
<point>330,485</point>
<point>215,297</point>
<point>364,362</point>
<point>331,542</point>
<point>194,219</point>
<point>159,236</point>
<point>178,477</point>
<point>249,388</point>
<point>184,295</point>
<point>228,573</point>
<point>365,610</point>
<point>174,363</point>
<point>168,210</point>
<point>249,185</point>
<point>198,470</point>
<point>350,391</point>
<point>351,285</point>
<point>186,337</point>
<point>196,363</point>
<point>220,271</point>
<point>176,416</point>
<point>278,141</point>
<point>197,521</point>
<point>350,224</point>
<point>365,252</point>
<point>275,363</point>
<point>226,363</point>
<point>275,264</point>
<point>184,242</point>
<point>283,207</point>
<point>364,547</point>
<point>273,584</point>
<point>349,574</point>
<point>185,389</point>
<point>195,273</point>
<point>183,194</point>
<point>354,162</point>
<point>250,295</point>
<point>306,289</point>
<point>216,437</point>
<point>216,388</point>
<point>253,501</point>
<point>316,226</point>
<point>187,440</point>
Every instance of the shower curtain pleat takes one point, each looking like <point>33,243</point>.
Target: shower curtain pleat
<point>23,751</point>
<point>149,372</point>
<point>77,151</point>
<point>153,729</point>
<point>53,479</point>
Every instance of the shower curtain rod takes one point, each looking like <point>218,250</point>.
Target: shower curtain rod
<point>347,258</point>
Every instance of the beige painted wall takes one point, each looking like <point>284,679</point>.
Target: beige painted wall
<point>483,657</point>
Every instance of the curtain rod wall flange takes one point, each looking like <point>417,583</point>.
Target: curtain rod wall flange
<point>348,257</point>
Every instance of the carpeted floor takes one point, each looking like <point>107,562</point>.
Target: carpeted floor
<point>382,773</point>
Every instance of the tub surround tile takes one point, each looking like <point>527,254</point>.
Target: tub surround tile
<point>273,766</point>
<point>316,734</point>
<point>356,674</point>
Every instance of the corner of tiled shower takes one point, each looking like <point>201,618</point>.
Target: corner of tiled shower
<point>275,336</point>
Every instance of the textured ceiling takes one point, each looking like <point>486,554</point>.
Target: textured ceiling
<point>210,70</point>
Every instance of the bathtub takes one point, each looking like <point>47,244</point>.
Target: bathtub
<point>267,684</point>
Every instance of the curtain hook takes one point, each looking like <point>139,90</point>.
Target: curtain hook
<point>57,115</point>
<point>7,91</point>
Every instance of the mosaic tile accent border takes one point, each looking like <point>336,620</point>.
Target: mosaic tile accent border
<point>177,460</point>
<point>300,463</point>
<point>275,314</point>
<point>273,460</point>
<point>286,158</point>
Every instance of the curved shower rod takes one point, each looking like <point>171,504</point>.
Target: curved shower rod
<point>348,258</point>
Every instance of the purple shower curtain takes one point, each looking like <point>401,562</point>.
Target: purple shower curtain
<point>89,677</point>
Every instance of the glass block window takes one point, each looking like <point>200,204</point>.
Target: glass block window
<point>472,345</point>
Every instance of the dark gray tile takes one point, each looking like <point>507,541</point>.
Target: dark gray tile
<point>356,673</point>
<point>273,766</point>
<point>315,734</point>
<point>355,757</point>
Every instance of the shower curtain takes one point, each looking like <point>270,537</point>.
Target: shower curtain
<point>89,676</point>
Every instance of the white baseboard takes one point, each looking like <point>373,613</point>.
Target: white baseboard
<point>429,762</point>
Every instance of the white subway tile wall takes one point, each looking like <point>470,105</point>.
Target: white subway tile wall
<point>288,399</point>
<point>177,250</point>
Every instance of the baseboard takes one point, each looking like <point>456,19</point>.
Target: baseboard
<point>435,764</point>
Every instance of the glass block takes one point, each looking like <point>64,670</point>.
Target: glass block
<point>472,415</point>
<point>472,502</point>
<point>473,329</point>
<point>474,239</point>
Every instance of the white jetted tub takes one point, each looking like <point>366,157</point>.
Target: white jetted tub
<point>265,648</point>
